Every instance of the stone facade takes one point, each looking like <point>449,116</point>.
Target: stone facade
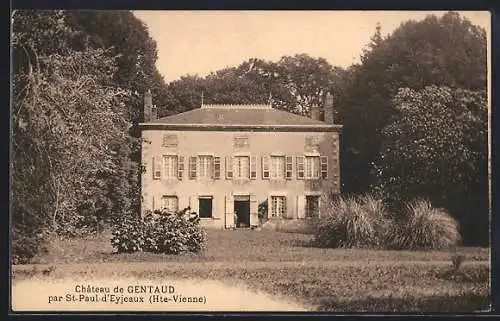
<point>224,171</point>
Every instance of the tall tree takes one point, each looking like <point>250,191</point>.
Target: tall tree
<point>294,83</point>
<point>436,147</point>
<point>446,51</point>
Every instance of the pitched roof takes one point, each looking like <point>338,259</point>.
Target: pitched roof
<point>238,115</point>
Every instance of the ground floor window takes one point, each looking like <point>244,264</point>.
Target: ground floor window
<point>205,207</point>
<point>278,206</point>
<point>170,203</point>
<point>312,206</point>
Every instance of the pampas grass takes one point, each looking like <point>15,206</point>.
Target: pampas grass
<point>426,227</point>
<point>352,222</point>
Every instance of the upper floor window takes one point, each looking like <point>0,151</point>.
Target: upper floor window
<point>205,166</point>
<point>312,167</point>
<point>277,167</point>
<point>241,167</point>
<point>169,140</point>
<point>170,166</point>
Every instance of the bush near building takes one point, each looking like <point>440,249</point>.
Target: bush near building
<point>160,232</point>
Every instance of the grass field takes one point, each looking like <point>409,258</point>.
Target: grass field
<point>283,264</point>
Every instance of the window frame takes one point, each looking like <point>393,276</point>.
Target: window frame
<point>275,173</point>
<point>173,170</point>
<point>237,167</point>
<point>172,197</point>
<point>275,208</point>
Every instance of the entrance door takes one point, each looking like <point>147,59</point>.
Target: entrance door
<point>242,211</point>
<point>205,207</point>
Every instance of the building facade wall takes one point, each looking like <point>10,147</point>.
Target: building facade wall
<point>221,144</point>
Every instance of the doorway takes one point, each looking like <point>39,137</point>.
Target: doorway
<point>242,211</point>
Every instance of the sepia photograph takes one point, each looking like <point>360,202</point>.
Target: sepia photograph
<point>329,161</point>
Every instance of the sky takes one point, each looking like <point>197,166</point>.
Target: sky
<point>198,42</point>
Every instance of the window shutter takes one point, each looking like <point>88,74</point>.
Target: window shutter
<point>254,208</point>
<point>229,211</point>
<point>180,168</point>
<point>324,167</point>
<point>156,168</point>
<point>301,206</point>
<point>216,172</point>
<point>289,167</point>
<point>253,167</point>
<point>229,167</point>
<point>300,167</point>
<point>192,167</point>
<point>265,167</point>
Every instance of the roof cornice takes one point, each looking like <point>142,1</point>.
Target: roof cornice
<point>241,127</point>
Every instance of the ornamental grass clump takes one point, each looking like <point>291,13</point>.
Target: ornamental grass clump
<point>425,227</point>
<point>352,222</point>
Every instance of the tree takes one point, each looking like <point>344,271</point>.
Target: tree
<point>446,51</point>
<point>71,164</point>
<point>436,147</point>
<point>294,83</point>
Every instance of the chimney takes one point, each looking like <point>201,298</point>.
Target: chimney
<point>148,106</point>
<point>315,114</point>
<point>328,109</point>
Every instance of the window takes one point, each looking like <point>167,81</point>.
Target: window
<point>242,167</point>
<point>205,207</point>
<point>278,206</point>
<point>312,169</point>
<point>170,166</point>
<point>170,203</point>
<point>312,206</point>
<point>277,167</point>
<point>169,140</point>
<point>205,166</point>
<point>241,142</point>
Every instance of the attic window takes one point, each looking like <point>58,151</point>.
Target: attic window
<point>169,140</point>
<point>311,143</point>
<point>241,142</point>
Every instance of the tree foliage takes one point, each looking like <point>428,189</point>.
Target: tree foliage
<point>447,51</point>
<point>436,148</point>
<point>294,83</point>
<point>73,163</point>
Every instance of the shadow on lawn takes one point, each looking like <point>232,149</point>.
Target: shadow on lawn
<point>467,302</point>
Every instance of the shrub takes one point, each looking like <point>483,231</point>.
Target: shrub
<point>26,245</point>
<point>457,260</point>
<point>426,227</point>
<point>159,232</point>
<point>352,222</point>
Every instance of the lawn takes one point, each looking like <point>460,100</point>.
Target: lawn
<point>283,264</point>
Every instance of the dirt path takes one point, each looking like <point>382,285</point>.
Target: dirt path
<point>34,294</point>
